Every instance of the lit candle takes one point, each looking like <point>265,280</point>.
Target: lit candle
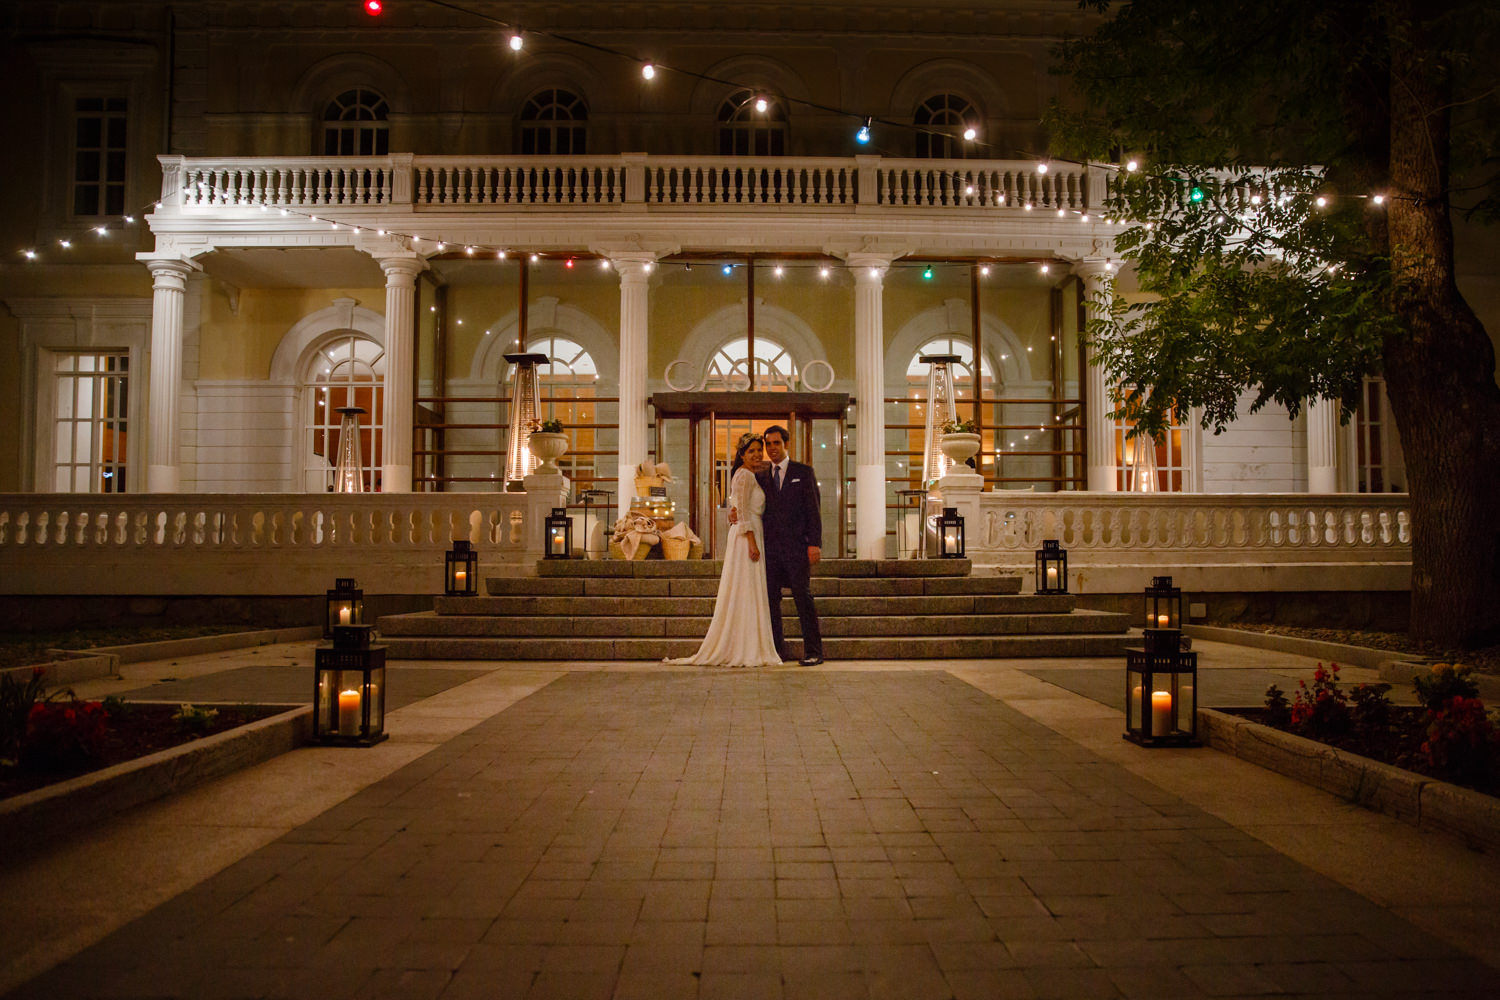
<point>1162,620</point>
<point>1161,713</point>
<point>1135,706</point>
<point>346,614</point>
<point>1051,577</point>
<point>460,579</point>
<point>349,712</point>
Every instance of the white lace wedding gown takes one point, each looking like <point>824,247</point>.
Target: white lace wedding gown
<point>740,634</point>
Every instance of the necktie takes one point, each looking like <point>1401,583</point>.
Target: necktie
<point>776,478</point>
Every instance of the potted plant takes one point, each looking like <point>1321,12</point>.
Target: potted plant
<point>548,442</point>
<point>960,440</point>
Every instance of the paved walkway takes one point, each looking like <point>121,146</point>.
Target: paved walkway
<point>925,830</point>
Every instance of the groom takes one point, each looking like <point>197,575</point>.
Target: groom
<point>794,541</point>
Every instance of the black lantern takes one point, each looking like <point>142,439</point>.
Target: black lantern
<point>349,689</point>
<point>559,534</point>
<point>1163,604</point>
<point>1161,697</point>
<point>346,606</point>
<point>950,528</point>
<point>461,570</point>
<point>1051,568</point>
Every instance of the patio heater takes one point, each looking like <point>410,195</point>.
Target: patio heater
<point>348,472</point>
<point>940,410</point>
<point>1142,462</point>
<point>525,412</point>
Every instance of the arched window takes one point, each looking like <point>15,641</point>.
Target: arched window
<point>730,366</point>
<point>940,122</point>
<point>567,385</point>
<point>354,124</point>
<point>554,123</point>
<point>744,131</point>
<point>348,370</point>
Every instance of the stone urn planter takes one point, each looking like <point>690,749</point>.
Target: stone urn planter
<point>960,446</point>
<point>548,446</point>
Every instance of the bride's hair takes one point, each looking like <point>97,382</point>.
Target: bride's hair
<point>746,440</point>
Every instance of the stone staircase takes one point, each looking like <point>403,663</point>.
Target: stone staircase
<point>648,610</point>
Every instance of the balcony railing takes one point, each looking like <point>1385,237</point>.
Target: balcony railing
<point>406,181</point>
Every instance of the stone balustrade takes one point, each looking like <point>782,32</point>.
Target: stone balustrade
<point>393,543</point>
<point>406,181</point>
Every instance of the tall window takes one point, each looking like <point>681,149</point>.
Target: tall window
<point>99,156</point>
<point>354,124</point>
<point>1380,466</point>
<point>568,389</point>
<point>554,123</point>
<point>1174,473</point>
<point>730,366</point>
<point>349,371</point>
<point>89,435</point>
<point>940,122</point>
<point>744,131</point>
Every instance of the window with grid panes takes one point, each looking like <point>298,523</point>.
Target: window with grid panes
<point>743,131</point>
<point>349,371</point>
<point>89,433</point>
<point>940,122</point>
<point>99,128</point>
<point>554,123</point>
<point>354,124</point>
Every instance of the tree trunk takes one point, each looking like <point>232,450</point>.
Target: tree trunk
<point>1440,370</point>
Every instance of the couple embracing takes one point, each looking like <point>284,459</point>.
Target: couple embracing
<point>775,538</point>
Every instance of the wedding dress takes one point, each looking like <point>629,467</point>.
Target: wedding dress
<point>740,634</point>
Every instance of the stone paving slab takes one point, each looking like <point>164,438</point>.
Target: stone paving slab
<point>772,834</point>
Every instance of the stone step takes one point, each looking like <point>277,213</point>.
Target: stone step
<point>457,626</point>
<point>647,568</point>
<point>832,607</point>
<point>708,586</point>
<point>834,648</point>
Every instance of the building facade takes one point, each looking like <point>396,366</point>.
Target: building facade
<point>239,218</point>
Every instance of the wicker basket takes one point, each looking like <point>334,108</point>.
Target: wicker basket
<point>641,551</point>
<point>675,548</point>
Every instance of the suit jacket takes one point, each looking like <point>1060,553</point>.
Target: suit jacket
<point>793,518</point>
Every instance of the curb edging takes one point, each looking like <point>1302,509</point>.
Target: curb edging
<point>1412,798</point>
<point>67,807</point>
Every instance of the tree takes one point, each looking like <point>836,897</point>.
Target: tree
<point>1290,223</point>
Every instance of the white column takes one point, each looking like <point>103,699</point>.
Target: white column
<point>634,317</point>
<point>869,393</point>
<point>1099,430</point>
<point>163,421</point>
<point>1322,417</point>
<point>400,368</point>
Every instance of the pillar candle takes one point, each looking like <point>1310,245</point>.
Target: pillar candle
<point>349,712</point>
<point>1161,713</point>
<point>1135,706</point>
<point>460,579</point>
<point>1051,577</point>
<point>345,614</point>
<point>1163,620</point>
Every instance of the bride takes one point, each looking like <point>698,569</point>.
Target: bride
<point>740,634</point>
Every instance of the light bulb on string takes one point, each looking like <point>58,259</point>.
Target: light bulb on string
<point>374,7</point>
<point>648,71</point>
<point>1041,168</point>
<point>863,135</point>
<point>727,269</point>
<point>927,273</point>
<point>970,133</point>
<point>568,263</point>
<point>761,105</point>
<point>1379,199</point>
<point>516,41</point>
<point>1132,166</point>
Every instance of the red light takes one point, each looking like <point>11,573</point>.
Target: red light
<point>374,7</point>
<point>569,263</point>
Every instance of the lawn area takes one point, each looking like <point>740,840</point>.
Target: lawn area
<point>20,649</point>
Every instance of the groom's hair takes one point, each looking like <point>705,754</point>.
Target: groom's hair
<point>776,429</point>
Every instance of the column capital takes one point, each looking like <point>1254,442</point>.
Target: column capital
<point>868,266</point>
<point>633,267</point>
<point>1094,268</point>
<point>169,272</point>
<point>401,268</point>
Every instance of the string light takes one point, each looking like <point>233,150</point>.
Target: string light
<point>970,134</point>
<point>648,71</point>
<point>863,135</point>
<point>374,7</point>
<point>760,105</point>
<point>516,42</point>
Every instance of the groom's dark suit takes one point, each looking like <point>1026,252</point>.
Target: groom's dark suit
<point>793,521</point>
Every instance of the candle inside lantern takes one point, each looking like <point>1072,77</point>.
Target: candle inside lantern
<point>1135,706</point>
<point>460,579</point>
<point>1051,577</point>
<point>1162,620</point>
<point>1161,713</point>
<point>346,615</point>
<point>349,712</point>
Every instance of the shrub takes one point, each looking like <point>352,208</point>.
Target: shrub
<point>16,699</point>
<point>1278,709</point>
<point>1371,708</point>
<point>1444,682</point>
<point>195,718</point>
<point>1322,709</point>
<point>63,734</point>
<point>550,427</point>
<point>1461,741</point>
